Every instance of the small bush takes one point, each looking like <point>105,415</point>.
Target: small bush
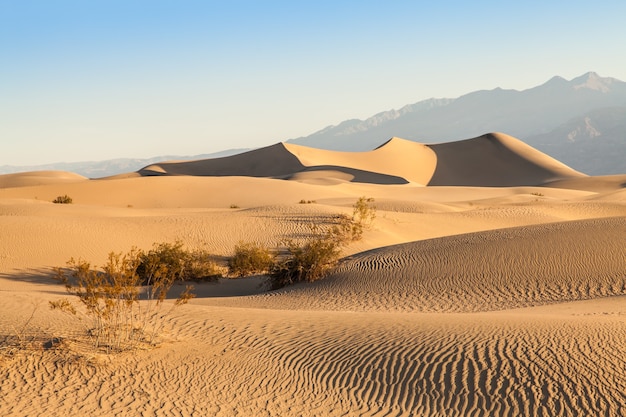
<point>348,229</point>
<point>320,253</point>
<point>363,215</point>
<point>250,258</point>
<point>306,263</point>
<point>110,297</point>
<point>200,266</point>
<point>234,206</point>
<point>307,201</point>
<point>537,194</point>
<point>63,199</point>
<point>177,263</point>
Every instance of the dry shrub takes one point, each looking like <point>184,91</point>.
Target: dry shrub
<point>363,215</point>
<point>110,297</point>
<point>63,199</point>
<point>320,253</point>
<point>306,262</point>
<point>250,258</point>
<point>178,263</point>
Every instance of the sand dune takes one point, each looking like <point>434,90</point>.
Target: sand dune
<point>25,179</point>
<point>495,160</point>
<point>491,160</point>
<point>494,270</point>
<point>491,284</point>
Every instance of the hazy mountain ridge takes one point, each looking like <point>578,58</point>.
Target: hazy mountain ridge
<point>530,115</point>
<point>594,143</point>
<point>98,169</point>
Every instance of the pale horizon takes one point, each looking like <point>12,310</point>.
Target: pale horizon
<point>100,82</point>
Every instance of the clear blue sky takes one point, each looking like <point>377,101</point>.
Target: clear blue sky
<point>98,79</point>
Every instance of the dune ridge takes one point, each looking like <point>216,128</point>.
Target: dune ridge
<point>501,269</point>
<point>494,159</point>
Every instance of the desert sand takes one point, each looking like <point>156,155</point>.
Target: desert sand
<point>492,282</point>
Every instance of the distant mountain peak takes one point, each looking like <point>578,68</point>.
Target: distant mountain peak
<point>557,79</point>
<point>592,81</point>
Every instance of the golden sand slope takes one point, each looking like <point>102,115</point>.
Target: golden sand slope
<point>461,301</point>
<point>495,160</point>
<point>494,270</point>
<point>243,361</point>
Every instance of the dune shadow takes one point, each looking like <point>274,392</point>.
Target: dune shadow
<point>223,288</point>
<point>40,276</point>
<point>321,173</point>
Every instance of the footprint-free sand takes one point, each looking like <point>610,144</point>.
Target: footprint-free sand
<point>493,282</point>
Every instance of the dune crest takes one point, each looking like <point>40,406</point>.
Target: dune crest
<point>493,159</point>
<point>397,159</point>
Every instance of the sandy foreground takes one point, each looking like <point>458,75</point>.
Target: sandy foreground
<point>463,300</point>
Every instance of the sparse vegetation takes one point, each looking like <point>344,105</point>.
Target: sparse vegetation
<point>111,300</point>
<point>110,296</point>
<point>250,258</point>
<point>63,199</point>
<point>320,253</point>
<point>178,263</point>
<point>537,194</point>
<point>307,201</point>
<point>234,206</point>
<point>363,215</point>
<point>306,262</point>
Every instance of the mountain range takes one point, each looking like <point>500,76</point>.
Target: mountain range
<point>580,122</point>
<point>109,167</point>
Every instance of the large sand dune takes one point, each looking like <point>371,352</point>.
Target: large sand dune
<point>491,160</point>
<point>493,282</point>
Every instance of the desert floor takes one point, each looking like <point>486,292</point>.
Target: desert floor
<point>460,301</point>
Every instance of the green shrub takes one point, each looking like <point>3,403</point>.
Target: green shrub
<point>63,199</point>
<point>250,258</point>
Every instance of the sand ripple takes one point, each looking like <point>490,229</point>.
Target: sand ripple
<point>246,362</point>
<point>492,270</point>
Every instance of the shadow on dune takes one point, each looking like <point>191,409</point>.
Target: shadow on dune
<point>339,173</point>
<point>224,287</point>
<point>270,161</point>
<point>41,276</point>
